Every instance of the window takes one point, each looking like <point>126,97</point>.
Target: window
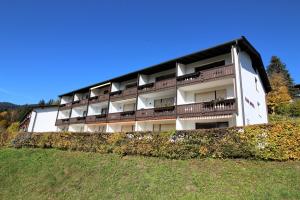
<point>212,125</point>
<point>221,94</point>
<point>211,65</point>
<point>129,107</point>
<point>158,103</point>
<point>127,128</point>
<point>256,84</point>
<point>204,97</point>
<point>163,127</point>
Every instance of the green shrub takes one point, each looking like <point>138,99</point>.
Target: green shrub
<point>284,109</point>
<point>295,109</point>
<point>278,141</point>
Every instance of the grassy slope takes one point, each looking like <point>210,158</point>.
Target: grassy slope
<point>54,174</point>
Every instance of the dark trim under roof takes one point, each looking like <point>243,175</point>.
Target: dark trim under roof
<point>242,43</point>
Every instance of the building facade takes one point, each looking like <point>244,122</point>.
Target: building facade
<point>222,86</point>
<point>41,118</point>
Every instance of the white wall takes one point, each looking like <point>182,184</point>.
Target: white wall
<point>77,128</point>
<point>78,111</point>
<point>63,114</point>
<point>98,91</point>
<point>95,128</point>
<point>80,96</point>
<point>148,125</point>
<point>121,86</point>
<point>112,128</point>
<point>191,124</point>
<point>117,106</point>
<point>66,99</point>
<point>43,120</point>
<point>144,79</point>
<point>95,109</point>
<point>255,94</point>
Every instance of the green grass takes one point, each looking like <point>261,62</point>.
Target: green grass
<point>54,174</point>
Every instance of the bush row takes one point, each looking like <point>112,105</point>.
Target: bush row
<point>280,141</point>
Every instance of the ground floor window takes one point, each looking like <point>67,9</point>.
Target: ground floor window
<point>163,127</point>
<point>128,128</point>
<point>212,125</point>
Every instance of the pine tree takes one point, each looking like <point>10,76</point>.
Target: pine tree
<point>276,66</point>
<point>42,102</point>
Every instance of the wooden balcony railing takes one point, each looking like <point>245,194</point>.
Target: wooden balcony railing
<point>96,118</point>
<point>60,122</point>
<point>65,106</point>
<point>156,113</point>
<point>100,98</point>
<point>206,75</point>
<point>77,120</point>
<point>127,93</point>
<point>81,102</point>
<point>222,107</point>
<point>121,116</point>
<point>158,85</point>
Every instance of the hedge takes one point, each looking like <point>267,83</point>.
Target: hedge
<point>280,141</point>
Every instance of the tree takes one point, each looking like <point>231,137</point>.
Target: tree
<point>50,102</point>
<point>276,66</point>
<point>280,93</point>
<point>42,102</point>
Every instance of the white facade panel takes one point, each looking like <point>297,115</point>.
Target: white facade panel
<point>43,120</point>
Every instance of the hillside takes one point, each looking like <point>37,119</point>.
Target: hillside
<point>54,174</point>
<point>7,106</point>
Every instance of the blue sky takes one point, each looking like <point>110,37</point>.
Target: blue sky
<point>51,47</point>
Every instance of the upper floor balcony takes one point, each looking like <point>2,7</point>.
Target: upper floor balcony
<point>66,102</point>
<point>123,90</point>
<point>63,117</point>
<point>78,115</point>
<point>158,81</point>
<point>203,75</point>
<point>97,112</point>
<point>158,105</point>
<point>205,109</point>
<point>122,110</point>
<point>80,99</point>
<point>207,99</point>
<point>99,94</point>
<point>209,69</point>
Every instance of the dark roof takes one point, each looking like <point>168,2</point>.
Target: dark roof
<point>242,42</point>
<point>297,86</point>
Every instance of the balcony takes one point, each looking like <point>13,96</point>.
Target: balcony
<point>124,94</point>
<point>80,102</point>
<point>158,85</point>
<point>65,106</point>
<point>121,116</point>
<point>77,120</point>
<point>60,122</point>
<point>96,118</point>
<point>213,108</point>
<point>156,113</point>
<point>100,98</point>
<point>206,75</point>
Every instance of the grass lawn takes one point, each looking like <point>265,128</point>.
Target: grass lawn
<point>54,174</point>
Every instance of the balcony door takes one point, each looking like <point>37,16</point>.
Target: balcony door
<point>210,96</point>
<point>129,107</point>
